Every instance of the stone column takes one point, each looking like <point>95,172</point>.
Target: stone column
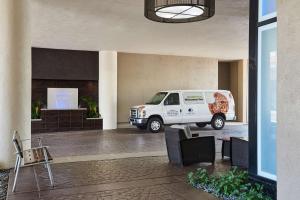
<point>108,88</point>
<point>243,90</point>
<point>288,100</point>
<point>15,76</point>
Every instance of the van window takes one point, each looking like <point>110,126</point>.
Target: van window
<point>156,99</point>
<point>193,98</point>
<point>172,99</point>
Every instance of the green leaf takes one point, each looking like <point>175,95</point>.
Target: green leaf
<point>233,183</point>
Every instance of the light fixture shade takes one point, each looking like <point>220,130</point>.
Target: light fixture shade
<point>179,11</point>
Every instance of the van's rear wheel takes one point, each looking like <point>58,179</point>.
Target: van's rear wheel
<point>201,125</point>
<point>218,122</point>
<point>154,125</point>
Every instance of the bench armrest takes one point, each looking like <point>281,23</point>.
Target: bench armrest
<point>41,147</point>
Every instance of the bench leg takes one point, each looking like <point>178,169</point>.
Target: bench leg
<point>16,174</point>
<point>48,167</point>
<point>17,163</point>
<point>36,179</point>
<point>50,174</point>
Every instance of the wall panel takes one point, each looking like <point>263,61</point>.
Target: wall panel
<point>61,64</point>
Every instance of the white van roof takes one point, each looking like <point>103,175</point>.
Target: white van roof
<point>172,91</point>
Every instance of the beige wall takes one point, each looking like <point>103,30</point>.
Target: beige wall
<point>140,76</point>
<point>288,134</point>
<point>234,86</point>
<point>242,91</point>
<point>239,87</point>
<point>233,76</point>
<point>15,81</point>
<point>224,76</point>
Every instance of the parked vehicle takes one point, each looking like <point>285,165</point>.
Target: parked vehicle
<point>184,106</point>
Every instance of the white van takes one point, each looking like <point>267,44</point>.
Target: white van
<point>184,106</point>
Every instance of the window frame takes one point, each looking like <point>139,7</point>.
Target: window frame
<point>254,24</point>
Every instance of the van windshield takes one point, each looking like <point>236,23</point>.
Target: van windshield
<point>157,98</point>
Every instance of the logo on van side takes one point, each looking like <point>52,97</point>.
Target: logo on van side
<point>221,104</point>
<point>172,113</point>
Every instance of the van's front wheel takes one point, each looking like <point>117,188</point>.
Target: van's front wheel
<point>218,122</point>
<point>154,125</point>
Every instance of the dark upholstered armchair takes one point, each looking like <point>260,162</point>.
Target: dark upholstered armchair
<point>187,151</point>
<point>239,152</point>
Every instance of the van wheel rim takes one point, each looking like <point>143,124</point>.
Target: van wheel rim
<point>155,125</point>
<point>219,123</point>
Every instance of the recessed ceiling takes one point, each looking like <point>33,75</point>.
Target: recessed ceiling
<point>120,25</point>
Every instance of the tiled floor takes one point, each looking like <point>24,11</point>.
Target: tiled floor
<point>101,142</point>
<point>131,176</point>
<point>127,141</point>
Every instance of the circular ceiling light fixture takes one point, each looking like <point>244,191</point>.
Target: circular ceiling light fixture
<point>179,11</point>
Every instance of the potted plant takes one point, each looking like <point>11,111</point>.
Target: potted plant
<point>92,111</point>
<point>36,110</point>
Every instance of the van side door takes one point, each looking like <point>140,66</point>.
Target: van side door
<point>193,107</point>
<point>210,99</point>
<point>172,111</point>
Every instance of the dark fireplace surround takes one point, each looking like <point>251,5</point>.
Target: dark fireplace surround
<point>56,68</point>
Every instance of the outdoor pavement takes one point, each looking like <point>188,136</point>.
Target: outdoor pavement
<point>121,164</point>
<point>148,178</point>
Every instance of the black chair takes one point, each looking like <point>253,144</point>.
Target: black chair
<point>239,152</point>
<point>186,151</point>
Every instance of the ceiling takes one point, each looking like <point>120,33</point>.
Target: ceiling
<point>120,25</point>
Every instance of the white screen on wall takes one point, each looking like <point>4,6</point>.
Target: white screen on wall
<point>62,98</point>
